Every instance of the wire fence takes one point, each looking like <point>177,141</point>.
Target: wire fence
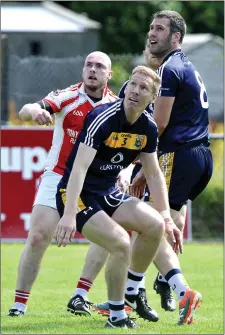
<point>30,79</point>
<point>26,80</point>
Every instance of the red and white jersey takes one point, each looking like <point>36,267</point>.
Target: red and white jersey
<point>70,107</point>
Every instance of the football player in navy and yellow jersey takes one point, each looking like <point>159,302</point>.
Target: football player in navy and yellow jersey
<point>97,256</point>
<point>89,200</point>
<point>181,114</point>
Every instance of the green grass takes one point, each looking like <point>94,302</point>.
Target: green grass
<point>202,265</point>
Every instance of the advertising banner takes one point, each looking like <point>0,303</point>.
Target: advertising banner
<point>23,154</point>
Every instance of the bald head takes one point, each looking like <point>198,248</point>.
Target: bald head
<point>101,56</point>
<point>96,73</point>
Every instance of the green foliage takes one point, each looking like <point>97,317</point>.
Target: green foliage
<point>125,23</point>
<point>202,265</point>
<point>122,67</point>
<point>208,208</point>
<point>210,17</point>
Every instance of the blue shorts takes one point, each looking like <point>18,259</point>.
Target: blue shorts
<point>90,203</point>
<point>187,172</point>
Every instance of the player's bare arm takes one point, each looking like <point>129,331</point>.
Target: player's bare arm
<point>162,111</point>
<point>157,184</point>
<point>34,112</point>
<point>67,224</point>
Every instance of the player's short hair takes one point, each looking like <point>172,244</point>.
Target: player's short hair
<point>148,73</point>
<point>177,22</point>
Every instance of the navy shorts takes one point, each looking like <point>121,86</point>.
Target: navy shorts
<point>90,203</point>
<point>187,172</point>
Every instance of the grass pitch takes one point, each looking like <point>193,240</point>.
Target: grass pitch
<point>202,265</point>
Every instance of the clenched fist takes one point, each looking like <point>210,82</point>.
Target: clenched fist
<point>41,116</point>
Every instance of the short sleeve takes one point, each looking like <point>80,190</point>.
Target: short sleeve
<point>152,136</point>
<point>57,99</point>
<point>169,81</point>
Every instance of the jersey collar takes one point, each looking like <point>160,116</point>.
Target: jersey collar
<point>81,90</point>
<point>170,54</point>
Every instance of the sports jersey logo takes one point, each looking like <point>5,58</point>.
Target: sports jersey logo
<point>78,113</point>
<point>126,140</point>
<point>138,141</point>
<point>111,167</point>
<point>56,93</point>
<point>117,158</point>
<point>72,133</point>
<point>87,210</point>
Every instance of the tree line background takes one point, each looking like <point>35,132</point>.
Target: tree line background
<point>125,23</point>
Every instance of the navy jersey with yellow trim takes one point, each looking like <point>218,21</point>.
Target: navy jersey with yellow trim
<point>189,117</point>
<point>118,144</point>
<point>121,95</point>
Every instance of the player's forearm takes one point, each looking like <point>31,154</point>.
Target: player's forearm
<point>157,185</point>
<point>141,175</point>
<point>28,111</point>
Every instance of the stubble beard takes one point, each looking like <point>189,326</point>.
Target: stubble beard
<point>92,88</point>
<point>162,50</point>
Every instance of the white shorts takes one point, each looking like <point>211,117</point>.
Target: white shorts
<point>47,188</point>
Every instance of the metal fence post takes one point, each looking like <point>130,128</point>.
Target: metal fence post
<point>4,79</point>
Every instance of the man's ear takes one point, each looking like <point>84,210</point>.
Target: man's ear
<point>176,36</point>
<point>154,99</point>
<point>110,74</point>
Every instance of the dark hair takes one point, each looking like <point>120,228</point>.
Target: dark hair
<point>177,23</point>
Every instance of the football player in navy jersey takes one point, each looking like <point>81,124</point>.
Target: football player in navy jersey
<point>97,256</point>
<point>181,114</point>
<point>89,200</point>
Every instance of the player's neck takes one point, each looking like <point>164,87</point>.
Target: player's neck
<point>94,93</point>
<point>132,115</point>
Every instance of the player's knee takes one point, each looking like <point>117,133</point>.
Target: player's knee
<point>160,228</point>
<point>37,239</point>
<point>42,228</point>
<point>123,246</point>
<point>156,228</point>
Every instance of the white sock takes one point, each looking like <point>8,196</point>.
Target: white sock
<point>179,285</point>
<point>161,278</point>
<point>133,282</point>
<point>20,306</point>
<point>82,292</point>
<point>119,314</point>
